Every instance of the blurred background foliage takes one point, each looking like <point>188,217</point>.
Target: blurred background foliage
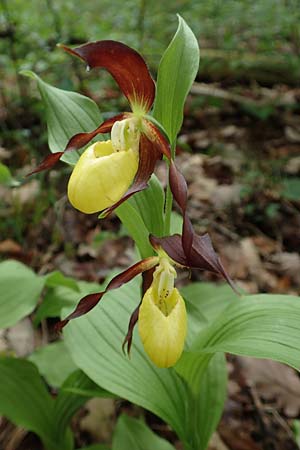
<point>241,30</point>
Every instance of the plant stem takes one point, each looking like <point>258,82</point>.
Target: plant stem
<point>169,198</point>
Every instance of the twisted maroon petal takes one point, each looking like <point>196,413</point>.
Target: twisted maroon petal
<point>76,142</point>
<point>202,255</point>
<point>47,163</point>
<point>125,65</point>
<point>179,190</point>
<point>126,346</point>
<point>147,281</point>
<point>88,302</point>
<point>190,249</point>
<point>157,138</point>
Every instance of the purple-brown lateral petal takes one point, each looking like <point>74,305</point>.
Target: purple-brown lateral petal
<point>202,255</point>
<point>76,142</point>
<point>125,65</point>
<point>157,138</point>
<point>91,300</point>
<point>149,154</point>
<point>79,140</point>
<point>172,245</point>
<point>132,322</point>
<point>147,281</point>
<point>47,163</point>
<point>179,190</point>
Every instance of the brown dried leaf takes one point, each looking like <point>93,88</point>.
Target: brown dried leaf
<point>274,382</point>
<point>10,246</point>
<point>216,443</point>
<point>100,418</point>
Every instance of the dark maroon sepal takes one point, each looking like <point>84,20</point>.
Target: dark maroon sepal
<point>47,163</point>
<point>158,139</point>
<point>88,302</point>
<point>179,190</point>
<point>126,346</point>
<point>79,140</point>
<point>76,142</point>
<point>125,65</point>
<point>147,281</point>
<point>202,255</point>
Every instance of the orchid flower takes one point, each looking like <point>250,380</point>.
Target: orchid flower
<point>108,173</point>
<point>161,313</point>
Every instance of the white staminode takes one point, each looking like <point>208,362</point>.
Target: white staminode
<point>125,135</point>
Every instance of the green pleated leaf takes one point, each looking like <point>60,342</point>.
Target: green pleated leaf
<point>210,298</point>
<point>262,326</point>
<point>205,301</point>
<point>142,215</point>
<point>208,402</point>
<point>67,113</point>
<point>61,297</point>
<point>150,205</point>
<point>25,400</point>
<point>176,223</point>
<point>5,175</point>
<point>68,403</point>
<point>20,290</point>
<point>95,340</point>
<point>135,227</point>
<point>133,434</point>
<point>56,278</point>
<point>95,447</point>
<point>177,71</point>
<point>54,363</point>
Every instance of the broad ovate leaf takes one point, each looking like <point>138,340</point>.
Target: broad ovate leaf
<point>54,362</point>
<point>150,205</point>
<point>262,326</point>
<point>177,71</point>
<point>25,400</point>
<point>133,434</point>
<point>20,290</point>
<point>67,113</point>
<point>5,174</point>
<point>95,342</point>
<point>142,215</point>
<point>135,226</point>
<point>207,402</point>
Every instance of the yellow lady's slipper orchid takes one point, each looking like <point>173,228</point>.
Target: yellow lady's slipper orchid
<point>161,314</point>
<point>101,176</point>
<point>162,318</point>
<point>101,182</point>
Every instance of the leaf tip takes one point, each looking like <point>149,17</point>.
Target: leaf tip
<point>28,73</point>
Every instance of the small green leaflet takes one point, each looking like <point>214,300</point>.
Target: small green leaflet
<point>262,326</point>
<point>142,215</point>
<point>133,434</point>
<point>25,400</point>
<point>177,71</point>
<point>67,113</point>
<point>20,290</point>
<point>54,362</point>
